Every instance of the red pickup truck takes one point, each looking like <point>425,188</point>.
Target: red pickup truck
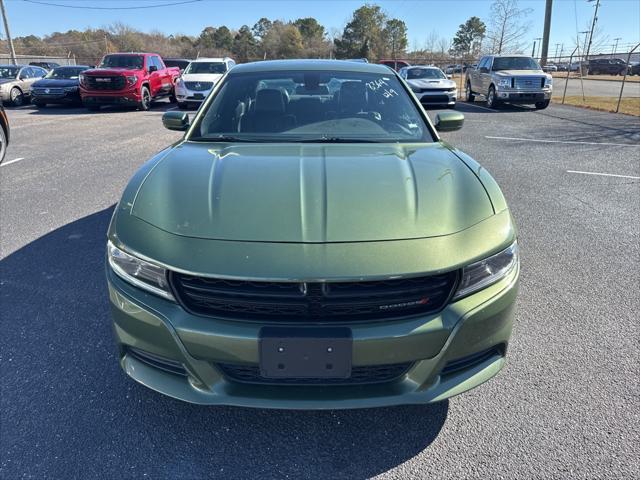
<point>133,79</point>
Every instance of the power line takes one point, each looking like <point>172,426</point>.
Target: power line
<point>91,7</point>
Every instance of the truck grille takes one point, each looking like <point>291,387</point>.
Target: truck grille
<point>313,302</point>
<point>198,86</point>
<point>105,82</point>
<point>359,375</point>
<point>527,82</point>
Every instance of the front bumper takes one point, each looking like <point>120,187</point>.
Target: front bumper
<point>523,96</point>
<point>437,98</point>
<point>184,95</point>
<point>129,96</point>
<point>61,98</point>
<point>478,323</point>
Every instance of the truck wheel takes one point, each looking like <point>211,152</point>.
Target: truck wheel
<point>145,99</point>
<point>3,144</point>
<point>492,101</point>
<point>16,97</point>
<point>542,105</point>
<point>468,93</point>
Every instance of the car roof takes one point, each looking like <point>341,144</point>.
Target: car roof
<point>17,66</point>
<point>433,67</point>
<point>326,65</point>
<point>211,59</point>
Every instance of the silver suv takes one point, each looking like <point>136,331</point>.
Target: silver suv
<point>510,79</point>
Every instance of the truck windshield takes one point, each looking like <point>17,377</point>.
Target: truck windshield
<point>515,63</point>
<point>311,106</point>
<point>130,62</point>
<point>206,67</point>
<point>432,73</point>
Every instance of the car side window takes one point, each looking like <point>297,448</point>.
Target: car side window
<point>26,73</point>
<point>482,64</point>
<point>159,63</point>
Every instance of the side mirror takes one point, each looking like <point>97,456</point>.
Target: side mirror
<point>449,121</point>
<point>153,68</point>
<point>178,121</point>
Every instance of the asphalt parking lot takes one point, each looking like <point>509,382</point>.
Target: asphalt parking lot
<point>566,406</point>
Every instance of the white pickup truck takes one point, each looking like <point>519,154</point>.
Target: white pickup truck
<point>509,79</point>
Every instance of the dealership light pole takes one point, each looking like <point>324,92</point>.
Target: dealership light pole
<point>593,25</point>
<point>615,47</point>
<point>12,50</point>
<point>547,29</point>
<point>538,40</point>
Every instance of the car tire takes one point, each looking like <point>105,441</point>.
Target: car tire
<point>492,101</point>
<point>469,96</point>
<point>542,105</point>
<point>3,144</point>
<point>172,97</point>
<point>16,97</point>
<point>145,99</point>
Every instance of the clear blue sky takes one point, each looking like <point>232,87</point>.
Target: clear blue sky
<point>617,18</point>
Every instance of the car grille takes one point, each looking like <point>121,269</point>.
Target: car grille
<point>430,90</point>
<point>198,86</point>
<point>359,375</point>
<point>527,82</point>
<point>51,91</point>
<point>313,301</point>
<point>105,82</point>
<point>434,99</point>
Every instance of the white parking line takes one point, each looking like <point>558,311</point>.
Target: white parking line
<point>516,139</point>
<point>603,174</point>
<point>12,161</point>
<point>466,104</point>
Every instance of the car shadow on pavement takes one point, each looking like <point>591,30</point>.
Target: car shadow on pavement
<point>70,412</point>
<point>159,106</point>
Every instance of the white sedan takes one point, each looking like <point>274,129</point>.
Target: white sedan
<point>430,85</point>
<point>199,78</point>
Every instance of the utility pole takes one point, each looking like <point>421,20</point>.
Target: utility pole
<point>615,47</point>
<point>556,55</point>
<point>539,43</point>
<point>586,32</point>
<point>533,50</point>
<point>545,34</point>
<point>12,50</point>
<point>593,25</point>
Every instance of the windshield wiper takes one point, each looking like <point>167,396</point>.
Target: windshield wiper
<point>338,140</point>
<point>225,138</point>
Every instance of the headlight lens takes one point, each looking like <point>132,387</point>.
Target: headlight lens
<point>70,89</point>
<point>548,81</point>
<point>504,82</point>
<point>82,78</point>
<point>139,272</point>
<point>132,79</point>
<point>481,274</point>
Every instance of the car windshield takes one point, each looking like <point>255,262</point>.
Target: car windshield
<point>66,73</point>
<point>130,62</point>
<point>299,106</point>
<point>431,73</point>
<point>206,67</point>
<point>515,63</point>
<point>8,72</point>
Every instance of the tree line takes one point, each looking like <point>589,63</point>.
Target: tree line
<point>370,33</point>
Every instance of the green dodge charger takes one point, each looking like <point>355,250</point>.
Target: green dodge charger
<point>312,243</point>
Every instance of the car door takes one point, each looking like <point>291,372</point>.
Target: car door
<point>24,80</point>
<point>166,81</point>
<point>474,76</point>
<point>154,75</point>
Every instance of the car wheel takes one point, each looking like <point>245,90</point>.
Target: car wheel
<point>492,101</point>
<point>172,97</point>
<point>145,99</point>
<point>468,93</point>
<point>542,105</point>
<point>16,97</point>
<point>3,144</point>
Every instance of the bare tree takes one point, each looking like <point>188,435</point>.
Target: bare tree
<point>508,26</point>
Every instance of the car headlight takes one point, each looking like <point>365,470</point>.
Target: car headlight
<point>138,272</point>
<point>548,81</point>
<point>504,82</point>
<point>415,89</point>
<point>132,79</point>
<point>82,78</point>
<point>486,272</point>
<point>70,89</point>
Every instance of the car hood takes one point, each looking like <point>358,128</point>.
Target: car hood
<point>508,73</point>
<point>112,71</point>
<point>311,193</point>
<point>53,82</point>
<point>201,77</point>
<point>431,83</point>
